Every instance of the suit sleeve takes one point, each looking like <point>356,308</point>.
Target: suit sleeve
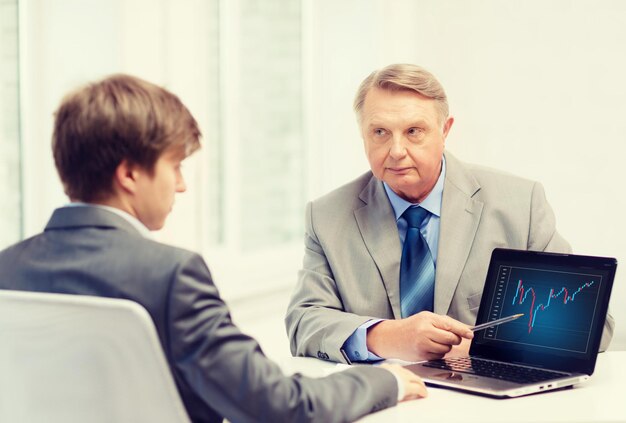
<point>316,322</point>
<point>544,237</point>
<point>228,371</point>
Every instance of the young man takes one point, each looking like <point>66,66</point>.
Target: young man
<point>118,145</point>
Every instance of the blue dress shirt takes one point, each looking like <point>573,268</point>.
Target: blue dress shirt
<point>355,346</point>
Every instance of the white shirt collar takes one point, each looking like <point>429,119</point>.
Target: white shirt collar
<point>141,228</point>
<point>432,202</point>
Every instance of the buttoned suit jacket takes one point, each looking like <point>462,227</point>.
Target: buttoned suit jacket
<point>219,371</point>
<point>351,265</point>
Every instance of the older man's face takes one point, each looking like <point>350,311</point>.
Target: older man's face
<point>404,140</point>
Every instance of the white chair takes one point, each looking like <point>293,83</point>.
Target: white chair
<point>70,358</point>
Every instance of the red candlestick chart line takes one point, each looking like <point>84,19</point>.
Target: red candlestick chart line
<point>521,293</point>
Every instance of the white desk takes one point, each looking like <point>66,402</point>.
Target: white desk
<point>600,399</point>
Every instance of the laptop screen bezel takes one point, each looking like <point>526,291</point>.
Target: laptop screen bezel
<point>495,350</point>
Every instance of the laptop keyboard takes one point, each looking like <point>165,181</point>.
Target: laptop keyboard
<point>494,369</point>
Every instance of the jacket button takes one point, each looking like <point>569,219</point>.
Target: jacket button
<point>322,356</point>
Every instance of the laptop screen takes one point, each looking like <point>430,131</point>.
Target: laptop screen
<point>564,299</point>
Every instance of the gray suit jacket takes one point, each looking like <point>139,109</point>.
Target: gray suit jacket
<point>219,371</point>
<point>351,265</point>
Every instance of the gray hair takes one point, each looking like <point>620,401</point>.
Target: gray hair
<point>404,77</point>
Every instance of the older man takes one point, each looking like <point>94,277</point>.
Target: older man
<point>395,261</point>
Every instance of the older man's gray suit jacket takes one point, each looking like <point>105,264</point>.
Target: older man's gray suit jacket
<point>351,265</point>
<point>219,371</point>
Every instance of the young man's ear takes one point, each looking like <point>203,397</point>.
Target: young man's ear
<point>125,176</point>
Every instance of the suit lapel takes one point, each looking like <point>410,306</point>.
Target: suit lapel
<point>460,215</point>
<point>378,228</point>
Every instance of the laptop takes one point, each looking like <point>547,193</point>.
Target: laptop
<point>564,299</point>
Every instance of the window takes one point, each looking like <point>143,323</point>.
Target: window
<point>10,169</point>
<point>256,149</point>
<point>262,146</point>
<point>270,113</point>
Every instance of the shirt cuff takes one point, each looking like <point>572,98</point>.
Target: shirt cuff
<point>355,346</point>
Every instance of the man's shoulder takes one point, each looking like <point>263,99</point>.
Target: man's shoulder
<point>125,244</point>
<point>9,252</point>
<point>488,174</point>
<point>488,178</point>
<point>142,248</point>
<point>111,232</point>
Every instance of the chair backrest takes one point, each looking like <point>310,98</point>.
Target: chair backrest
<point>71,358</point>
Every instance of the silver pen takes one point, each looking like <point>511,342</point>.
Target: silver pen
<point>495,322</point>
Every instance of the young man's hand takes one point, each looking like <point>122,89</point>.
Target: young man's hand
<point>413,385</point>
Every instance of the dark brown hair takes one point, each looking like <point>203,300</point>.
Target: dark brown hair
<point>119,118</point>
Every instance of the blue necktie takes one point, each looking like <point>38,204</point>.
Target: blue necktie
<point>417,268</point>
